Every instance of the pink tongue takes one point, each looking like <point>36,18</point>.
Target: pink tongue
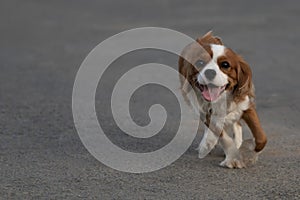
<point>211,93</point>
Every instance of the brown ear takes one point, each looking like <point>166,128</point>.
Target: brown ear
<point>183,71</point>
<point>244,80</point>
<point>208,38</point>
<point>183,76</point>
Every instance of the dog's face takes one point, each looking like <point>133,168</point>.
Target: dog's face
<point>215,69</point>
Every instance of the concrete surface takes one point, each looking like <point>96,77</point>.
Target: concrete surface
<point>42,45</point>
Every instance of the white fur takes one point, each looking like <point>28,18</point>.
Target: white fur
<point>230,121</point>
<point>235,111</point>
<point>221,78</point>
<point>208,142</point>
<point>233,158</point>
<point>225,115</point>
<point>238,134</point>
<point>218,50</point>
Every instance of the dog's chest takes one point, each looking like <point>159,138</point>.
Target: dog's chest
<point>225,109</point>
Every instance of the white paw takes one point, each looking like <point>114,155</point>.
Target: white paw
<point>247,151</point>
<point>233,160</point>
<point>233,163</point>
<point>207,143</point>
<point>204,149</point>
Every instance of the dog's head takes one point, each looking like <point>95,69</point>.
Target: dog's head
<point>214,70</point>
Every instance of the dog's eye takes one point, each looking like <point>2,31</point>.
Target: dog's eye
<point>225,65</point>
<point>200,63</point>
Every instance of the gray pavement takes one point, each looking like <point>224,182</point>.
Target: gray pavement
<point>42,45</point>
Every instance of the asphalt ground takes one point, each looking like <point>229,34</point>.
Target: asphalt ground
<point>42,45</point>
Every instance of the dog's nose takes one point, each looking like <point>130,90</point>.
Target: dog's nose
<point>210,74</point>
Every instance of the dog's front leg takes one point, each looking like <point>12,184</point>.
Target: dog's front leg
<point>207,143</point>
<point>213,130</point>
<point>233,157</point>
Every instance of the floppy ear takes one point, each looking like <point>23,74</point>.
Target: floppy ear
<point>208,38</point>
<point>183,73</point>
<point>183,76</point>
<point>244,80</point>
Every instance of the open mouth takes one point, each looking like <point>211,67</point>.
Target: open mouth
<point>211,92</point>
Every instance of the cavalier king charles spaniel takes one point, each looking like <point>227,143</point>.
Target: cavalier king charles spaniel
<point>223,97</point>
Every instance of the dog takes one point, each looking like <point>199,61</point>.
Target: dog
<point>223,97</point>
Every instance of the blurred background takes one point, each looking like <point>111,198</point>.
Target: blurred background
<point>42,45</point>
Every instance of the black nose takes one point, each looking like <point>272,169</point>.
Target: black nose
<point>210,74</point>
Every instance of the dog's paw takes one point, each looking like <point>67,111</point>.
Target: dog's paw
<point>248,153</point>
<point>207,143</point>
<point>233,163</point>
<point>205,148</point>
<point>244,157</point>
<point>233,160</point>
